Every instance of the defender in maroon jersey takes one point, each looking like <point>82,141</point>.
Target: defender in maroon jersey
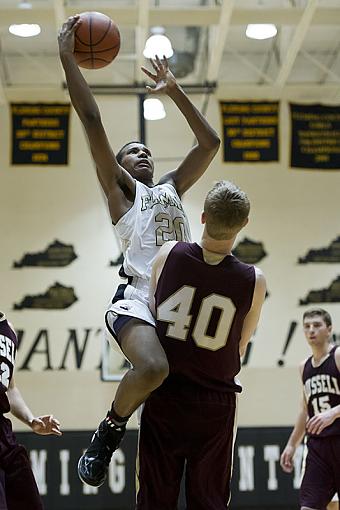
<point>207,305</point>
<point>18,490</point>
<point>319,416</point>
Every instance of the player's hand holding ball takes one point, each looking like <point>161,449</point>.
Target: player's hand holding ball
<point>66,34</point>
<point>93,38</point>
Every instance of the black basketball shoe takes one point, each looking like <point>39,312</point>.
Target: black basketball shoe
<point>94,463</point>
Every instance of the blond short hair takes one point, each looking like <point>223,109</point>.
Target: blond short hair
<point>226,210</point>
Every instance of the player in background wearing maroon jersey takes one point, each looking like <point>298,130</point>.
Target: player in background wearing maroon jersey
<point>18,489</point>
<point>319,416</point>
<point>207,304</point>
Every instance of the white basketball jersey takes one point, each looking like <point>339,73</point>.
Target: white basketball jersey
<point>156,216</point>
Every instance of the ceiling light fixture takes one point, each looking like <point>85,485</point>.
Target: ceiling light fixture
<point>153,109</point>
<point>261,31</point>
<point>25,30</point>
<point>25,4</point>
<point>158,44</point>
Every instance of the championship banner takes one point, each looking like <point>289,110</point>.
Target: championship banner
<point>40,133</point>
<point>315,138</point>
<point>250,131</point>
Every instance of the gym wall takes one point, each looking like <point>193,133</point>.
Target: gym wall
<point>293,211</point>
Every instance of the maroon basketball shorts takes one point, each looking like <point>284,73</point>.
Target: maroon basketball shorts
<point>18,489</point>
<point>322,472</point>
<point>191,436</point>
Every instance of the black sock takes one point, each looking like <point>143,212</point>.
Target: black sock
<point>115,420</point>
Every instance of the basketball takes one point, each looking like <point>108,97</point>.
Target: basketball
<point>97,40</point>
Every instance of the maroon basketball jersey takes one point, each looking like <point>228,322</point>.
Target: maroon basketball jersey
<point>322,389</point>
<point>200,313</point>
<point>8,347</point>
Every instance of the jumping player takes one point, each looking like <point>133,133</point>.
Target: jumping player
<point>145,216</point>
<point>207,304</point>
<point>18,489</point>
<point>319,416</point>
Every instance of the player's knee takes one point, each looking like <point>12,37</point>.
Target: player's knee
<point>155,371</point>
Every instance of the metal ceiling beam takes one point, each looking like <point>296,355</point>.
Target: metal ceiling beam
<point>330,62</point>
<point>59,13</point>
<point>272,53</point>
<point>284,16</point>
<point>296,42</point>
<point>142,30</point>
<point>216,50</point>
<point>3,99</point>
<point>321,66</point>
<point>248,63</point>
<point>36,64</point>
<point>196,16</point>
<point>224,91</point>
<point>290,92</point>
<point>60,17</point>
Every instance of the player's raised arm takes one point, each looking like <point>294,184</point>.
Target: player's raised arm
<point>112,175</point>
<point>208,142</point>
